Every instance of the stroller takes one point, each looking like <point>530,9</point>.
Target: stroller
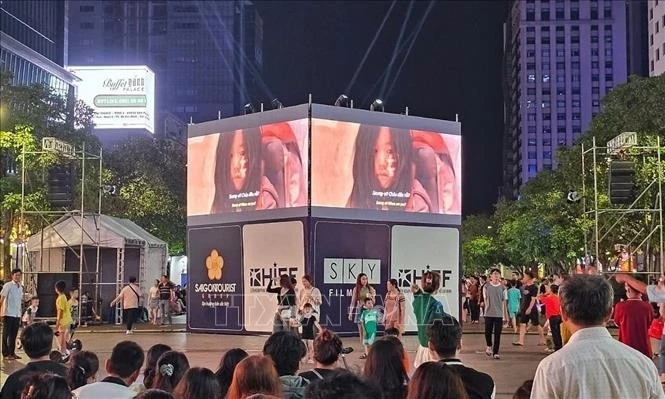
<point>73,346</point>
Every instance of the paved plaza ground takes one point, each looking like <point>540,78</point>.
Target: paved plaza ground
<point>516,365</point>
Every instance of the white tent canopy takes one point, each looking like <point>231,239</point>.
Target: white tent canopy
<point>113,233</point>
<point>125,249</point>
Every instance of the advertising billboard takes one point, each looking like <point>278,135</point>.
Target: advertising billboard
<point>342,252</point>
<point>123,97</point>
<point>378,166</point>
<point>419,249</point>
<point>215,290</point>
<point>244,172</point>
<point>269,251</point>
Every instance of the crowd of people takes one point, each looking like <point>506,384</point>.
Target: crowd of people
<point>585,361</point>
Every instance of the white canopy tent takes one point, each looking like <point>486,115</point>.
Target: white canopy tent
<point>57,248</point>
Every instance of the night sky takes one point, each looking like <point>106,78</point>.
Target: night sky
<point>454,67</point>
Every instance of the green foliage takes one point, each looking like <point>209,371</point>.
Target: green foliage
<point>542,227</point>
<point>30,113</point>
<point>150,176</point>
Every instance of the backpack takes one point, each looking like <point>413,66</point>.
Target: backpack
<point>434,312</point>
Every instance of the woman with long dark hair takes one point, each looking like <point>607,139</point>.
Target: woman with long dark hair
<point>170,369</point>
<point>383,172</point>
<point>385,368</point>
<point>198,382</point>
<point>435,380</point>
<point>394,307</point>
<point>310,294</point>
<point>227,366</point>
<point>83,368</point>
<point>151,358</point>
<point>238,171</point>
<point>286,304</point>
<point>361,292</point>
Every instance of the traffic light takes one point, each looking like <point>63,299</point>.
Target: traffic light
<point>60,187</point>
<point>622,182</point>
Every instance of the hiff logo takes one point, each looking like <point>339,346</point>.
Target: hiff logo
<point>409,276</point>
<point>214,264</point>
<point>261,276</point>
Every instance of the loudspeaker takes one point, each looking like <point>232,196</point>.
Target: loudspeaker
<point>60,187</point>
<point>622,182</point>
<point>46,290</point>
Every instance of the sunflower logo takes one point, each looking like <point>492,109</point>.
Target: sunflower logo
<point>214,264</point>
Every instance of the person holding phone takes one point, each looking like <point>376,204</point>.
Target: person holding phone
<point>287,309</point>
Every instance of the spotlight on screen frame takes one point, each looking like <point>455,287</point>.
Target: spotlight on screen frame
<point>248,109</point>
<point>276,104</point>
<point>377,105</point>
<point>343,101</point>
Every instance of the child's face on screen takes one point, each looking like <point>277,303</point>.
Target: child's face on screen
<point>239,160</point>
<point>385,159</point>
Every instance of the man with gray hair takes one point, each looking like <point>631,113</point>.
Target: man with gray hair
<point>593,364</point>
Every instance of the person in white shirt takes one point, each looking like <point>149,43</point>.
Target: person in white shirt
<point>123,369</point>
<point>593,364</point>
<point>153,305</point>
<point>11,299</point>
<point>131,298</point>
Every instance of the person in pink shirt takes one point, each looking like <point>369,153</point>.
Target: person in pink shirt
<point>394,307</point>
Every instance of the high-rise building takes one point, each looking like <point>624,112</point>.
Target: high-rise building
<point>656,22</point>
<point>33,43</point>
<point>638,32</point>
<point>562,58</point>
<point>206,55</point>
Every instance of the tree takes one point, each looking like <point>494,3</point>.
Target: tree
<point>542,226</point>
<point>150,178</point>
<point>30,113</point>
<point>479,249</point>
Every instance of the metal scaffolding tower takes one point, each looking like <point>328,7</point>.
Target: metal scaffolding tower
<point>61,150</point>
<point>607,217</point>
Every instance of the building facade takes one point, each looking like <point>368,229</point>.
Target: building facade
<point>561,59</point>
<point>206,55</point>
<point>656,21</point>
<point>33,43</point>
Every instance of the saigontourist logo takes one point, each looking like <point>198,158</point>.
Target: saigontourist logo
<point>214,264</point>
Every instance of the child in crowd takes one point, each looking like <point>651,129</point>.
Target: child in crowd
<point>28,318</point>
<point>513,296</point>
<point>74,305</point>
<point>30,312</point>
<point>370,318</point>
<point>63,317</point>
<point>309,323</point>
<point>553,313</point>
